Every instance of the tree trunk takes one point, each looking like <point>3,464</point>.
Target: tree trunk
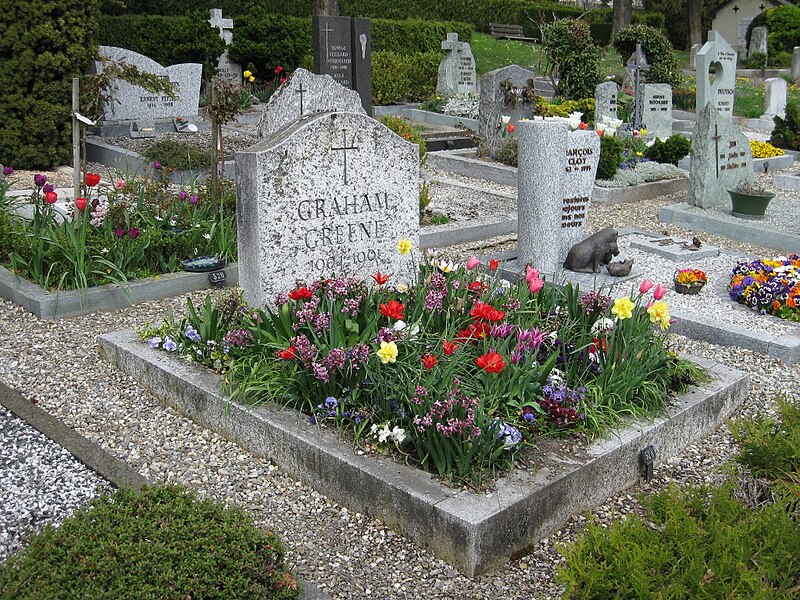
<point>695,22</point>
<point>622,15</point>
<point>326,8</point>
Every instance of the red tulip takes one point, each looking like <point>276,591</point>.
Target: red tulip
<point>511,127</point>
<point>300,293</point>
<point>449,347</point>
<point>582,126</point>
<point>381,278</point>
<point>288,354</point>
<point>50,197</point>
<point>80,203</point>
<point>493,264</point>
<point>429,360</point>
<point>92,179</point>
<point>393,310</point>
<point>491,362</point>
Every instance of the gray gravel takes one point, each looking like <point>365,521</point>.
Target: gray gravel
<point>347,555</point>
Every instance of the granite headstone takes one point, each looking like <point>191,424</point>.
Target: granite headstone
<point>758,41</point>
<point>716,75</point>
<point>693,55</point>
<point>457,69</point>
<point>557,168</point>
<point>226,68</point>
<point>342,49</point>
<point>329,193</point>
<point>657,109</point>
<point>775,97</point>
<point>131,102</point>
<point>796,65</point>
<point>508,91</point>
<point>605,101</point>
<point>720,159</point>
<point>305,93</point>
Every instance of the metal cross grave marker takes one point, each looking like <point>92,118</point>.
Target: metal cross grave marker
<point>638,64</point>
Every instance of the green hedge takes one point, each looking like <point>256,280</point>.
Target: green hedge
<point>43,45</point>
<point>783,24</point>
<point>403,77</point>
<point>191,38</point>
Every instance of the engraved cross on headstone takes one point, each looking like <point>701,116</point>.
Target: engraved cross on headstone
<point>301,91</point>
<point>327,29</point>
<point>637,63</point>
<point>344,148</point>
<point>451,43</point>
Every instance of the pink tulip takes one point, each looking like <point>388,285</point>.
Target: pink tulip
<point>659,292</point>
<point>646,286</point>
<point>535,285</point>
<point>119,183</point>
<point>649,304</point>
<point>472,263</point>
<point>531,274</point>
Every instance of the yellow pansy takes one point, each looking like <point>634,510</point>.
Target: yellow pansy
<point>623,308</point>
<point>388,352</point>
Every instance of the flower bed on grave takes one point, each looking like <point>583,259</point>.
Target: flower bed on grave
<point>137,227</point>
<point>458,373</point>
<point>769,286</point>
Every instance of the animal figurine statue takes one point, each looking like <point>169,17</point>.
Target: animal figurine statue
<point>621,268</point>
<point>599,249</point>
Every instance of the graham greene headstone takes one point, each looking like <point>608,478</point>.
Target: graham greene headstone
<point>131,102</point>
<point>716,59</point>
<point>657,109</point>
<point>557,168</point>
<point>457,69</point>
<point>720,159</point>
<point>507,91</point>
<point>226,68</point>
<point>605,101</point>
<point>305,93</point>
<point>342,49</point>
<point>330,193</point>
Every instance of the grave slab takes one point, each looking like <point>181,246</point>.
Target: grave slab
<point>675,248</point>
<point>605,100</point>
<point>787,181</point>
<point>227,69</point>
<point>657,109</point>
<point>471,531</point>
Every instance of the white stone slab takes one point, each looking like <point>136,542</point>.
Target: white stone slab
<point>775,97</point>
<point>657,109</point>
<point>332,193</point>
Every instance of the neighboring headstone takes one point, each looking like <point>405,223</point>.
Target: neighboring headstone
<point>796,65</point>
<point>342,49</point>
<point>758,41</point>
<point>330,193</point>
<point>557,168</point>
<point>226,68</point>
<point>508,91</point>
<point>716,58</point>
<point>605,101</point>
<point>131,102</point>
<point>693,58</point>
<point>775,97</point>
<point>305,93</point>
<point>720,159</point>
<point>657,109</point>
<point>637,66</point>
<point>457,69</point>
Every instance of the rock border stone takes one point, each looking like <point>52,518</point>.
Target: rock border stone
<point>73,303</point>
<point>475,532</point>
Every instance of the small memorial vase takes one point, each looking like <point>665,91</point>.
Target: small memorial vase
<point>689,288</point>
<point>749,206</point>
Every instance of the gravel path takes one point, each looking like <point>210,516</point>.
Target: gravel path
<point>347,555</point>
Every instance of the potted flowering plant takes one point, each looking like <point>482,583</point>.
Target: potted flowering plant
<point>689,281</point>
<point>749,199</point>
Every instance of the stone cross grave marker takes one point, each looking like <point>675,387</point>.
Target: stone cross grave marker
<point>457,69</point>
<point>131,102</point>
<point>331,193</point>
<point>720,159</point>
<point>775,97</point>
<point>758,41</point>
<point>716,75</point>
<point>557,168</point>
<point>342,49</point>
<point>637,66</point>
<point>226,68</point>
<point>657,109</point>
<point>507,91</point>
<point>605,101</point>
<point>305,93</point>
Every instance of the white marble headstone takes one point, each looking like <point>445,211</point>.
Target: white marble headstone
<point>693,55</point>
<point>557,168</point>
<point>720,159</point>
<point>131,102</point>
<point>457,69</point>
<point>605,101</point>
<point>718,60</point>
<point>305,93</point>
<point>226,68</point>
<point>332,193</point>
<point>775,97</point>
<point>657,109</point>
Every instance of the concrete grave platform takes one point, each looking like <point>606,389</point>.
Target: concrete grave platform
<point>475,532</point>
<point>72,303</point>
<point>675,248</point>
<point>760,165</point>
<point>790,181</point>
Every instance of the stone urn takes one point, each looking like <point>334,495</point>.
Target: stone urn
<point>749,206</point>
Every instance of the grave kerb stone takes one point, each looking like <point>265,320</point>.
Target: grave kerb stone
<point>718,57</point>
<point>775,97</point>
<point>657,109</point>
<point>330,193</point>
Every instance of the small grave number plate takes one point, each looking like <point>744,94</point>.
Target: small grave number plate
<point>217,278</point>
<point>648,456</point>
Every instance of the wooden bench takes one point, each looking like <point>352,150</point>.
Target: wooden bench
<point>500,31</point>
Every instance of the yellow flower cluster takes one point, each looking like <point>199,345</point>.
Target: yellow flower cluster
<point>764,149</point>
<point>659,313</point>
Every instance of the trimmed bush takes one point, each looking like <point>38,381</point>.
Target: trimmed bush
<point>669,151</point>
<point>663,63</point>
<point>43,45</point>
<point>191,38</point>
<point>573,57</point>
<point>610,157</point>
<point>787,130</point>
<point>403,77</point>
<point>161,542</point>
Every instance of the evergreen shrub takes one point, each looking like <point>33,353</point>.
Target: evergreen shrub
<point>43,45</point>
<point>610,157</point>
<point>786,134</point>
<point>403,77</point>
<point>669,151</point>
<point>573,56</point>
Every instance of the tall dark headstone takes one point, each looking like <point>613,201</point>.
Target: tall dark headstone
<point>342,47</point>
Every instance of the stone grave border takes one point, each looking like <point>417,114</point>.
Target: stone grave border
<point>473,532</point>
<point>463,162</point>
<point>73,303</point>
<point>428,117</point>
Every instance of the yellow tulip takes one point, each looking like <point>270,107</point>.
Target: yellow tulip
<point>251,79</point>
<point>247,74</point>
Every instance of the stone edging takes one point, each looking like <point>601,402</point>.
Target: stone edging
<point>476,532</point>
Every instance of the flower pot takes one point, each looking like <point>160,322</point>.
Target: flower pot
<point>203,264</point>
<point>688,288</point>
<point>749,206</point>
